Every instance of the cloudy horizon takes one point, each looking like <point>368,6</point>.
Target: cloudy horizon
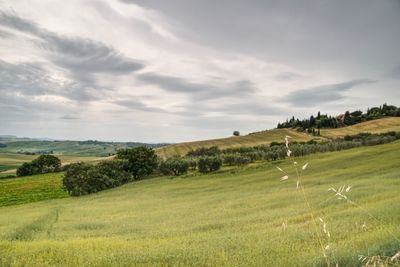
<point>172,71</point>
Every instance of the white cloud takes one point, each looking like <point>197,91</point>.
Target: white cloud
<point>155,72</point>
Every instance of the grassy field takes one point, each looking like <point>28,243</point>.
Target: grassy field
<point>277,135</point>
<point>10,161</point>
<point>230,218</point>
<point>31,189</point>
<point>65,147</point>
<point>374,126</point>
<point>255,139</point>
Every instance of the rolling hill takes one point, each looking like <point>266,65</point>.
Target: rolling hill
<point>11,144</point>
<point>277,135</point>
<point>234,217</point>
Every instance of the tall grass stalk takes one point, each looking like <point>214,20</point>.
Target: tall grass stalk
<point>305,198</point>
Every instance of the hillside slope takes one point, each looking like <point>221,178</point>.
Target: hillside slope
<point>255,139</point>
<point>375,126</point>
<point>65,147</point>
<point>230,218</point>
<point>277,135</point>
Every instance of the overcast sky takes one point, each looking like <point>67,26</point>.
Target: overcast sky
<point>179,70</point>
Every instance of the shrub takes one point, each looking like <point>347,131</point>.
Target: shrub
<point>229,159</point>
<point>237,159</point>
<point>203,151</point>
<point>26,169</point>
<point>76,179</point>
<point>47,163</point>
<point>209,164</point>
<point>83,178</point>
<point>140,161</point>
<point>175,165</point>
<point>116,171</point>
<point>236,133</point>
<point>42,164</point>
<point>192,163</point>
<point>242,160</point>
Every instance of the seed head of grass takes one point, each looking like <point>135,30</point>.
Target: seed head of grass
<point>340,193</point>
<point>304,166</point>
<point>284,177</point>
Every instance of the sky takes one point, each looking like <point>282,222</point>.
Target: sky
<point>179,70</point>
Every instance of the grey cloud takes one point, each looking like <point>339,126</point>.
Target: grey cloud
<point>69,117</point>
<point>394,73</point>
<point>287,76</point>
<point>222,124</point>
<point>137,105</point>
<point>198,91</point>
<point>251,107</point>
<point>358,35</point>
<point>27,106</point>
<point>81,57</point>
<point>321,94</point>
<point>84,55</point>
<point>5,34</point>
<point>29,79</point>
<point>32,79</point>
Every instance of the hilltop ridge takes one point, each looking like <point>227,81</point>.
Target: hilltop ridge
<point>382,125</point>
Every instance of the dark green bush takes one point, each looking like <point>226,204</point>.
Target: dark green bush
<point>237,159</point>
<point>209,164</point>
<point>140,161</point>
<point>42,164</point>
<point>229,159</point>
<point>242,160</point>
<point>175,165</point>
<point>83,178</point>
<point>76,180</point>
<point>204,151</point>
<point>192,163</point>
<point>27,168</point>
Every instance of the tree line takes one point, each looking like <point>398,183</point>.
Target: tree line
<point>315,123</point>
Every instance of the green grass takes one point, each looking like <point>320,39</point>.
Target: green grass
<point>277,135</point>
<point>259,138</point>
<point>64,147</point>
<point>375,126</point>
<point>31,188</point>
<point>230,218</point>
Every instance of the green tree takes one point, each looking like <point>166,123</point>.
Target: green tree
<point>140,161</point>
<point>209,164</point>
<point>175,165</point>
<point>76,179</point>
<point>42,164</point>
<point>47,163</point>
<point>25,169</point>
<point>236,133</point>
<point>83,178</point>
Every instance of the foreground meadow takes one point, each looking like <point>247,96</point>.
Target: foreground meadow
<point>231,218</point>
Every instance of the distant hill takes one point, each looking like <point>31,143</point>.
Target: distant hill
<point>313,124</point>
<point>385,124</point>
<point>13,144</point>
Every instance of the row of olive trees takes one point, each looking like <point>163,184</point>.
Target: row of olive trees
<point>178,165</point>
<point>276,151</point>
